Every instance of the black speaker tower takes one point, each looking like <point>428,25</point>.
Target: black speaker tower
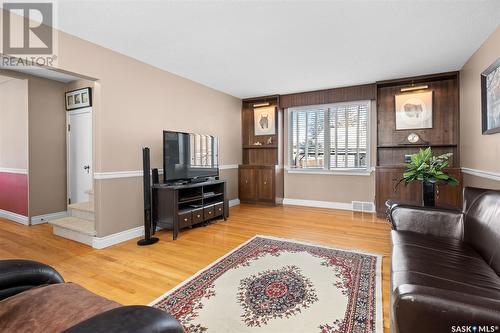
<point>149,228</point>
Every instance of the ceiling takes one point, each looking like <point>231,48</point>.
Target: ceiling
<point>253,48</point>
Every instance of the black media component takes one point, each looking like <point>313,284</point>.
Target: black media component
<point>189,158</point>
<point>155,176</point>
<point>148,227</point>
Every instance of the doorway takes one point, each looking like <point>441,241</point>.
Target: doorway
<point>79,152</point>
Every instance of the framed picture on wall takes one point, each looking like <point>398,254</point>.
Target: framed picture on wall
<point>77,99</point>
<point>414,110</point>
<point>490,98</point>
<point>264,120</point>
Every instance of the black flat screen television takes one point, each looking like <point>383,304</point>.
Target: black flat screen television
<point>189,156</point>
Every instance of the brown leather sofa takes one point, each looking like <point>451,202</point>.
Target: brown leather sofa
<point>35,298</point>
<point>446,266</point>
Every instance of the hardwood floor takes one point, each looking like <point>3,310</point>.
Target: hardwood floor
<point>130,274</point>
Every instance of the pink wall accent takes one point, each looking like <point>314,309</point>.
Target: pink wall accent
<point>14,193</point>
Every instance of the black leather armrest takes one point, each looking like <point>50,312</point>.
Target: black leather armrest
<point>129,319</point>
<point>424,220</point>
<point>417,309</point>
<point>19,275</point>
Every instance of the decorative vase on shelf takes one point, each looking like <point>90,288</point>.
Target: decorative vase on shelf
<point>428,194</point>
<point>428,169</point>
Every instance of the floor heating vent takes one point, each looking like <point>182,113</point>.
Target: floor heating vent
<point>361,206</point>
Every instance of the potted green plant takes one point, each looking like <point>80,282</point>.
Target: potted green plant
<point>428,169</point>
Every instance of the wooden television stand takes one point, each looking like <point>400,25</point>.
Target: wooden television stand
<point>180,206</point>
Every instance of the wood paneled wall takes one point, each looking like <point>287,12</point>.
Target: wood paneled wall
<point>335,95</point>
<point>392,145</point>
<point>442,137</point>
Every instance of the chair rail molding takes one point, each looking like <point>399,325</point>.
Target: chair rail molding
<point>139,173</point>
<point>14,170</point>
<point>482,173</point>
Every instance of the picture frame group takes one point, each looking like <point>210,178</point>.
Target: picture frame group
<point>77,99</point>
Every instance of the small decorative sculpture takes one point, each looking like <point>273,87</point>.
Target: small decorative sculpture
<point>270,140</point>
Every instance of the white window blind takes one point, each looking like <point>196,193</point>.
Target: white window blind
<point>333,136</point>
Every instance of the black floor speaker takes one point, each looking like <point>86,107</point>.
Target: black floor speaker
<point>149,227</point>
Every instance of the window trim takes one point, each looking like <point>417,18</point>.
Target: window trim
<point>291,168</point>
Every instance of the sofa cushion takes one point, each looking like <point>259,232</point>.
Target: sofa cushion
<point>482,226</point>
<point>442,263</point>
<point>50,308</point>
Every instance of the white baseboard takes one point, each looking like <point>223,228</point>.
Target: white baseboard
<point>39,219</point>
<point>14,217</point>
<point>319,204</point>
<point>482,173</point>
<point>234,202</point>
<point>102,242</point>
<point>122,236</point>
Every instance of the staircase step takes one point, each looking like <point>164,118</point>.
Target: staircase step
<point>74,228</point>
<point>83,206</point>
<point>90,193</point>
<point>76,224</point>
<point>83,210</point>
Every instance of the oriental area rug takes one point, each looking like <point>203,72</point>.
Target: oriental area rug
<point>276,285</point>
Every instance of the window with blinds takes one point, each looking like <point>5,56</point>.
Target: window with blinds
<point>333,136</point>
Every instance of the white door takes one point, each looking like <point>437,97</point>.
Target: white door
<point>79,154</point>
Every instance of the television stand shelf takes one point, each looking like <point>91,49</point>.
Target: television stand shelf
<point>180,206</point>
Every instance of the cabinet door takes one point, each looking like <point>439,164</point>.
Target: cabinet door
<point>447,196</point>
<point>266,184</point>
<point>247,188</point>
<point>386,180</point>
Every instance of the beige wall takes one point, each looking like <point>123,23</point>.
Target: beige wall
<point>47,146</point>
<point>331,187</point>
<point>470,180</point>
<point>14,124</point>
<point>133,103</point>
<point>480,152</point>
<point>46,143</point>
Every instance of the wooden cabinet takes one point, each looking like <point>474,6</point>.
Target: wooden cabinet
<point>261,177</point>
<point>447,196</point>
<point>386,181</point>
<point>258,184</point>
<point>393,144</point>
<point>247,188</point>
<point>265,184</point>
<point>180,206</point>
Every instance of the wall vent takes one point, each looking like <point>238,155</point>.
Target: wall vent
<point>361,206</point>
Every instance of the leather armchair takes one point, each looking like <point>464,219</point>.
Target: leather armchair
<point>133,318</point>
<point>445,266</point>
<point>17,276</point>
